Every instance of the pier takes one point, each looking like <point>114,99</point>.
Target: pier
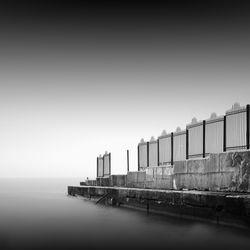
<point>202,172</point>
<point>224,208</point>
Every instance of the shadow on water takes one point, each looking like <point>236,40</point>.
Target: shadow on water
<point>38,214</point>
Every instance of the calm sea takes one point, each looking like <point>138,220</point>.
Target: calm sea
<point>38,214</point>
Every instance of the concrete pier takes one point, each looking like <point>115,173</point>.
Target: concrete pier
<point>215,188</point>
<point>218,207</point>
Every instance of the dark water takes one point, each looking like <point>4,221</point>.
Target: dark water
<point>38,214</point>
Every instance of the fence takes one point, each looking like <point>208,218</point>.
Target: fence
<point>179,146</point>
<point>164,149</point>
<point>104,165</point>
<point>142,154</point>
<point>214,135</point>
<point>195,139</point>
<point>100,166</point>
<point>152,154</point>
<point>236,125</point>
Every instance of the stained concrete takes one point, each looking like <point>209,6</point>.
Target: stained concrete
<point>229,171</point>
<point>118,180</point>
<point>218,207</point>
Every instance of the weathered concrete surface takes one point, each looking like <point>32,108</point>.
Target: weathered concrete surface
<point>159,177</point>
<point>229,171</point>
<point>136,179</point>
<point>88,183</point>
<point>238,163</point>
<point>118,180</point>
<point>218,207</point>
<point>103,181</point>
<point>180,167</point>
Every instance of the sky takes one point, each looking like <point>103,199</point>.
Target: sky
<point>78,79</point>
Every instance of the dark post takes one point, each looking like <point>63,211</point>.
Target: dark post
<point>247,126</point>
<point>148,154</point>
<point>225,134</point>
<point>97,167</point>
<point>204,138</point>
<point>172,148</point>
<point>109,163</point>
<point>187,144</point>
<point>103,165</point>
<point>128,160</point>
<point>138,152</point>
<point>158,153</point>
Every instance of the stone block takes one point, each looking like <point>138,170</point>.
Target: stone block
<point>158,173</point>
<point>139,184</point>
<point>180,167</point>
<point>132,177</point>
<point>212,163</point>
<point>237,162</point>
<point>196,165</point>
<point>227,161</point>
<point>149,174</point>
<point>179,181</point>
<point>149,184</point>
<point>98,181</point>
<point>141,176</point>
<point>191,181</point>
<point>104,181</point>
<point>90,183</point>
<point>167,171</point>
<point>166,183</point>
<point>221,182</point>
<point>118,180</point>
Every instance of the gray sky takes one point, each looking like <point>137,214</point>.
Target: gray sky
<point>70,89</point>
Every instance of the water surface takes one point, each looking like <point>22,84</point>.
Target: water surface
<point>38,214</point>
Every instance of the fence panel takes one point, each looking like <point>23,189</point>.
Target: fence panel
<point>165,150</point>
<point>195,140</point>
<point>214,135</point>
<point>106,166</point>
<point>179,146</point>
<point>153,160</point>
<point>100,167</point>
<point>236,129</point>
<point>143,154</point>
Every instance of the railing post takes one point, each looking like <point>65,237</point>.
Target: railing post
<point>97,167</point>
<point>109,163</point>
<point>127,160</point>
<point>103,165</point>
<point>148,154</point>
<point>204,139</point>
<point>187,151</point>
<point>225,134</point>
<point>247,129</point>
<point>138,156</point>
<point>158,152</point>
<point>172,148</point>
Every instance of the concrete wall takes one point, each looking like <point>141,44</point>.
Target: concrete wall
<point>118,180</point>
<point>229,171</point>
<point>136,179</point>
<point>217,207</point>
<point>159,177</point>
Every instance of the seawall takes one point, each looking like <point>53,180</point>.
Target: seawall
<point>215,188</point>
<point>225,172</point>
<point>218,207</point>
